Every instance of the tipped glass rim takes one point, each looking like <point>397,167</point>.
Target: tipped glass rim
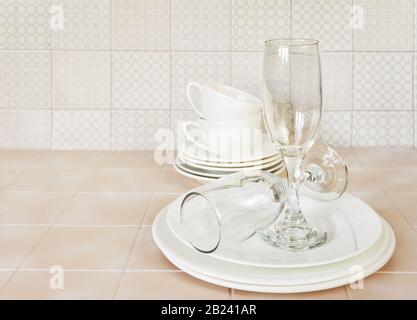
<point>291,42</point>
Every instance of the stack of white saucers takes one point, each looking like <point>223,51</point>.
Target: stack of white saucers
<point>360,243</point>
<point>204,167</point>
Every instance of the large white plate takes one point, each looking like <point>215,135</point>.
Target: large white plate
<point>352,227</point>
<point>215,173</point>
<point>262,166</point>
<point>277,280</point>
<point>193,152</point>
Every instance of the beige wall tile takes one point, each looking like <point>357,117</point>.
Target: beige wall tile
<point>48,180</point>
<point>76,285</point>
<point>383,286</point>
<point>32,208</point>
<point>105,209</point>
<point>146,255</point>
<point>167,285</point>
<point>84,247</point>
<point>16,243</point>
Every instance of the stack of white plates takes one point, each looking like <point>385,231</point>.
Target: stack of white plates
<point>204,167</point>
<point>360,243</point>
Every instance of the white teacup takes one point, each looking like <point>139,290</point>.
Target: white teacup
<point>220,102</point>
<point>227,139</point>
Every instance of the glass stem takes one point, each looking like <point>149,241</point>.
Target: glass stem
<point>293,213</point>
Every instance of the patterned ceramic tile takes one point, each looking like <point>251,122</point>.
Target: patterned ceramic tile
<point>336,128</point>
<point>324,20</point>
<point>387,25</point>
<point>84,130</point>
<point>141,24</point>
<point>81,79</point>
<point>141,80</point>
<point>178,118</point>
<point>199,67</point>
<point>135,130</point>
<point>247,72</point>
<point>86,25</point>
<point>383,129</point>
<point>382,81</point>
<point>25,79</point>
<point>253,22</point>
<point>200,25</point>
<point>24,24</point>
<point>25,129</point>
<point>337,81</point>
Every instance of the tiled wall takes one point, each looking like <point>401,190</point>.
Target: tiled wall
<point>117,70</point>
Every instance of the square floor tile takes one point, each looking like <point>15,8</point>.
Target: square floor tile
<point>387,25</point>
<point>383,81</point>
<point>27,24</point>
<point>383,129</point>
<point>172,182</point>
<point>141,24</point>
<point>405,254</point>
<point>146,255</point>
<point>160,285</point>
<point>81,130</point>
<point>86,25</point>
<point>253,22</point>
<point>385,208</point>
<point>81,79</point>
<point>362,182</point>
<point>105,209</point>
<point>83,248</point>
<point>121,180</point>
<point>41,285</point>
<point>16,243</point>
<point>4,277</point>
<point>386,286</point>
<point>158,202</point>
<point>32,208</point>
<point>387,158</point>
<point>18,159</point>
<point>141,80</point>
<point>200,67</point>
<point>129,159</point>
<point>69,160</point>
<point>407,205</point>
<point>48,180</point>
<point>328,21</point>
<point>25,129</point>
<point>396,180</point>
<point>200,25</point>
<point>25,79</point>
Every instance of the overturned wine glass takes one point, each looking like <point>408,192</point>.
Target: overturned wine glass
<point>236,207</point>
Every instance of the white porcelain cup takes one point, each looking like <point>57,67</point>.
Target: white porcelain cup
<point>227,139</point>
<point>220,102</point>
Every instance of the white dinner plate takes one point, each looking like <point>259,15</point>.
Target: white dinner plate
<point>352,226</point>
<point>278,280</point>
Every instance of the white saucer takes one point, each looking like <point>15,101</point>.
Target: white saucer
<point>278,280</point>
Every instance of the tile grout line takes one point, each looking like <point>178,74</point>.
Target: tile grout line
<point>135,239</point>
<point>387,194</point>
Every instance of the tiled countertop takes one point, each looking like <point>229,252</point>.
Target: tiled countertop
<point>91,212</point>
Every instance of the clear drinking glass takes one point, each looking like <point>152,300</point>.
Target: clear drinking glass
<point>292,111</point>
<point>231,209</point>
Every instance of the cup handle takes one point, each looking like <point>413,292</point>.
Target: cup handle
<point>188,136</point>
<point>190,100</point>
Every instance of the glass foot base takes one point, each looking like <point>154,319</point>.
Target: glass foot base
<point>294,237</point>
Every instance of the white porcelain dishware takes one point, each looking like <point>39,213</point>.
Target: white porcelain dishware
<point>236,139</point>
<point>220,102</point>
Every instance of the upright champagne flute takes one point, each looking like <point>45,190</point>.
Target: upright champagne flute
<point>292,111</point>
